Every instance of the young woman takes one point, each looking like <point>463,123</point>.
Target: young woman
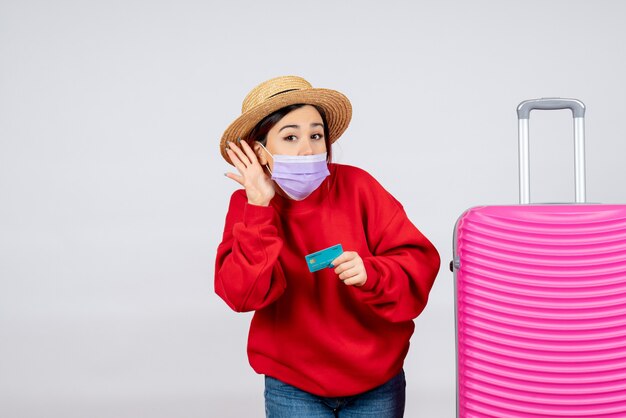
<point>330,335</point>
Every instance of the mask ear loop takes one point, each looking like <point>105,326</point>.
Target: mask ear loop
<point>266,165</point>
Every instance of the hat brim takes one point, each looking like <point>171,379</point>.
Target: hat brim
<point>336,106</point>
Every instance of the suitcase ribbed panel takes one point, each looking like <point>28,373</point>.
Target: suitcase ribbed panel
<point>541,311</point>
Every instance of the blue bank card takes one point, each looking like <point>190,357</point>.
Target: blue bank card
<point>322,259</point>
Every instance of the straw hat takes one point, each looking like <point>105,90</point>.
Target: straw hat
<point>279,92</point>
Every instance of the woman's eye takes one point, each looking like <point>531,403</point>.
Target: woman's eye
<point>291,138</point>
<point>317,136</point>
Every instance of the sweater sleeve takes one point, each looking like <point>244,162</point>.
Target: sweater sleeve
<point>403,265</point>
<point>247,273</point>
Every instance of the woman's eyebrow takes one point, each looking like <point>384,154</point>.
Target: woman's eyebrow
<point>313,125</point>
<point>289,126</point>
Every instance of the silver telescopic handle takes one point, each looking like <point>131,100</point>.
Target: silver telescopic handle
<point>578,112</point>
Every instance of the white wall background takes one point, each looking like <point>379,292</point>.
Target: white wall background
<point>112,198</point>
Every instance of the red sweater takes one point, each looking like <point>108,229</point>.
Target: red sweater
<point>309,329</point>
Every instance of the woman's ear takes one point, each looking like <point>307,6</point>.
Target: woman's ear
<point>258,150</point>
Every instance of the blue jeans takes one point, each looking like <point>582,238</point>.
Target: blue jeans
<point>285,401</point>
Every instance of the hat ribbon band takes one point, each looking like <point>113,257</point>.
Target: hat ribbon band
<point>281,92</point>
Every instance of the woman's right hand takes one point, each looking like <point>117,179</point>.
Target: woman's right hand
<point>252,177</point>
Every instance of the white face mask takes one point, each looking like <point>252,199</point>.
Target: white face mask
<point>299,175</point>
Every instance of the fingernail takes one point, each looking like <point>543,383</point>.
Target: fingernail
<point>331,266</point>
<point>239,140</point>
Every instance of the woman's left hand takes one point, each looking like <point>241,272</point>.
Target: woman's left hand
<point>350,268</point>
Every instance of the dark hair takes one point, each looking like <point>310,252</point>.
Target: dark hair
<point>259,132</point>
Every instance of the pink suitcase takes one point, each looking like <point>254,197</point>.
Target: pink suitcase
<point>541,300</point>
